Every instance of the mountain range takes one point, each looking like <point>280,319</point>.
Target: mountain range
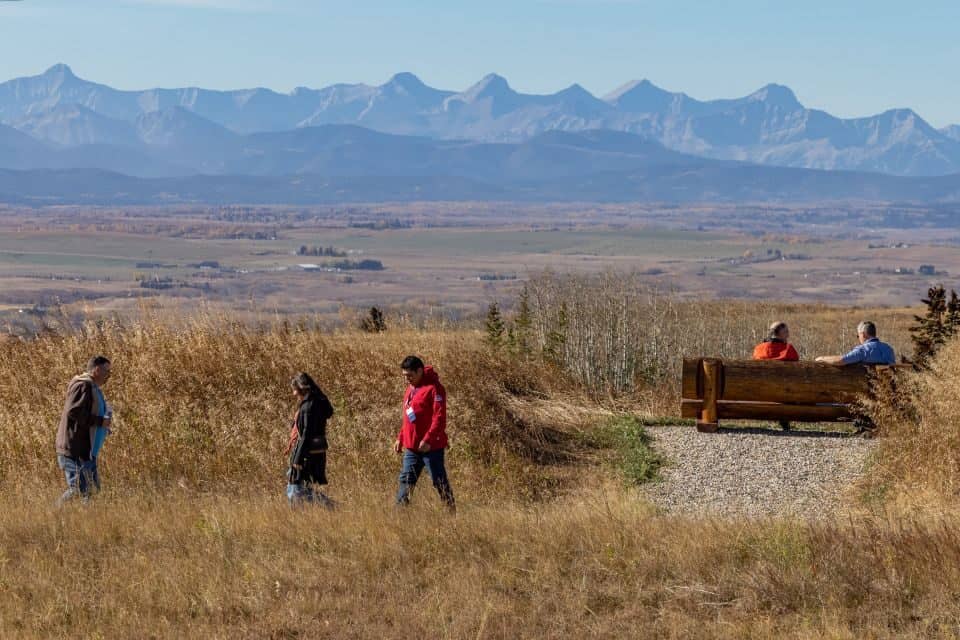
<point>710,182</point>
<point>57,120</point>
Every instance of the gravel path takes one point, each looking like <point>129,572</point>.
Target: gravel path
<point>754,474</point>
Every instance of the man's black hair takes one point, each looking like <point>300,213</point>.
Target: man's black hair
<point>411,363</point>
<point>96,361</point>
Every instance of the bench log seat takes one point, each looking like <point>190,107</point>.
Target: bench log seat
<point>714,389</point>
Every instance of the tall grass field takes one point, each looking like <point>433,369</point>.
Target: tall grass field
<point>192,536</point>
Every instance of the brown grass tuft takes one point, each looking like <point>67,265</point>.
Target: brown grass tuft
<point>918,464</point>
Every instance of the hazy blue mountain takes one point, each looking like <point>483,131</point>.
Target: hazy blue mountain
<point>187,141</point>
<point>344,150</point>
<point>951,131</point>
<point>71,125</point>
<point>402,105</point>
<point>86,186</point>
<point>896,141</point>
<point>711,182</point>
<point>337,104</point>
<point>644,97</point>
<point>176,126</point>
<point>242,110</point>
<point>122,159</point>
<point>20,151</point>
<point>769,126</point>
<point>176,142</point>
<point>492,111</point>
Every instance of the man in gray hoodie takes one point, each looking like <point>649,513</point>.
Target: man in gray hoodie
<point>85,420</point>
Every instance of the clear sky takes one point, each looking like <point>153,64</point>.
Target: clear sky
<point>849,57</point>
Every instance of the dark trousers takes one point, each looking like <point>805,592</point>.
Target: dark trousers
<point>413,463</point>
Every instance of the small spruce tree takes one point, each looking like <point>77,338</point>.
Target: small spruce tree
<point>522,324</point>
<point>495,326</point>
<point>952,319</point>
<point>931,330</point>
<point>556,337</point>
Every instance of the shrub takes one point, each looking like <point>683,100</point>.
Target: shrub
<point>635,457</point>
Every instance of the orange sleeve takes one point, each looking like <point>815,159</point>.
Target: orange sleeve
<point>791,354</point>
<point>762,352</point>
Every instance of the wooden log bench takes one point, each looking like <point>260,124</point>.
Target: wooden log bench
<point>715,389</point>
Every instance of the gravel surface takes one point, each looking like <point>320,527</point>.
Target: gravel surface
<point>755,474</point>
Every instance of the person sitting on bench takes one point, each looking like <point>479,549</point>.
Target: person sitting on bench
<point>869,351</point>
<point>776,347</point>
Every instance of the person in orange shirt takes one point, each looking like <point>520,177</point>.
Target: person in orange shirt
<point>776,347</point>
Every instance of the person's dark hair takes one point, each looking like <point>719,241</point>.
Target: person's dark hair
<point>95,362</point>
<point>411,363</point>
<point>867,328</point>
<point>303,383</point>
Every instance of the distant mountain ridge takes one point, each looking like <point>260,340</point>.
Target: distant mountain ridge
<point>769,126</point>
<point>178,143</point>
<point>713,182</point>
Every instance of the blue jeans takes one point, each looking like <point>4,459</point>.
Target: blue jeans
<point>413,463</point>
<point>94,474</point>
<point>80,477</point>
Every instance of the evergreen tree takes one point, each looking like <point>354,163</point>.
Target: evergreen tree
<point>495,326</point>
<point>930,331</point>
<point>556,337</point>
<point>523,324</point>
<point>952,320</point>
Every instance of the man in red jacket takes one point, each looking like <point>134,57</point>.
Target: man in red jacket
<point>423,436</point>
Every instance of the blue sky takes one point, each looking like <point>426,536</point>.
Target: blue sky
<point>851,57</point>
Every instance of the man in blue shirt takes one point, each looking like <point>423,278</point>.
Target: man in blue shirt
<point>869,351</point>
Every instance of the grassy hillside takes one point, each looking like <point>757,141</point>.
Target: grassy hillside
<point>192,538</point>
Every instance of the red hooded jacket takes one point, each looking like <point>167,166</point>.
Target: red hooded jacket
<point>775,350</point>
<point>425,413</point>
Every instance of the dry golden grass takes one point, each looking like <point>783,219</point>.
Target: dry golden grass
<point>596,564</point>
<point>192,537</point>
<point>205,404</point>
<point>918,464</point>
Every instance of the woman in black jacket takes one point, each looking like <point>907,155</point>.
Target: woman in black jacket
<point>308,443</point>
